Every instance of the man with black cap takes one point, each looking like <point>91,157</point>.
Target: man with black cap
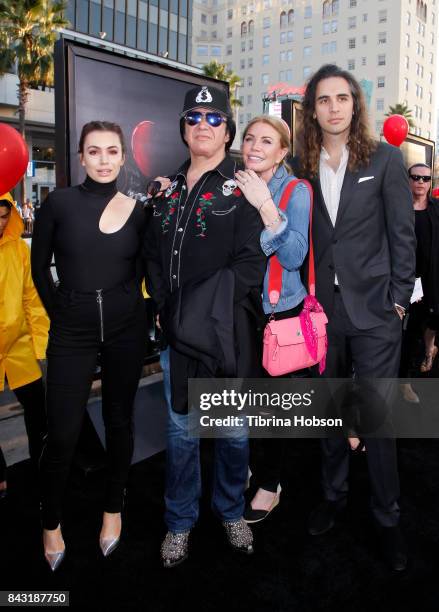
<point>202,255</point>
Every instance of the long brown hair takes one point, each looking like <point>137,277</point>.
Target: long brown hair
<point>309,136</point>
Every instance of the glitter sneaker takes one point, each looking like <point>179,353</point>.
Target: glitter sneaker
<point>175,548</point>
<point>239,535</point>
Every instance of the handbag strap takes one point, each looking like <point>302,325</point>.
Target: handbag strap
<point>275,272</point>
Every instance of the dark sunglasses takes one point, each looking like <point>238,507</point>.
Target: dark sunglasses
<point>213,119</point>
<point>419,178</point>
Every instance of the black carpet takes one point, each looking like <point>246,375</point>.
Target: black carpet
<point>290,570</point>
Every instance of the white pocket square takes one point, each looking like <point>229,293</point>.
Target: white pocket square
<point>365,178</point>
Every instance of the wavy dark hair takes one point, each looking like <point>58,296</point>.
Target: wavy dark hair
<point>101,126</point>
<point>309,136</point>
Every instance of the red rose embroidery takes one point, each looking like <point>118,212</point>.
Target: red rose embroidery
<point>198,211</point>
<point>237,192</point>
<point>175,195</point>
<point>204,201</point>
<point>207,196</point>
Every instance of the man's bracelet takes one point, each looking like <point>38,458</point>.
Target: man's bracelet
<point>278,218</point>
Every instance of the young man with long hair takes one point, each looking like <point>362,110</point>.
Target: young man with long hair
<point>363,231</point>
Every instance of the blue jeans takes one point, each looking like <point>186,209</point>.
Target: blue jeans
<point>183,474</point>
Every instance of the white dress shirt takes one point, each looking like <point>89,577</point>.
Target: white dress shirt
<point>331,183</point>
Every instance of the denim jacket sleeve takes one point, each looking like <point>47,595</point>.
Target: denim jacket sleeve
<point>290,240</point>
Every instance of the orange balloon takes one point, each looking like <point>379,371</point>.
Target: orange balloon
<point>14,157</point>
<point>395,129</point>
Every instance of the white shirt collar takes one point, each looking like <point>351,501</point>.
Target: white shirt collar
<point>324,155</point>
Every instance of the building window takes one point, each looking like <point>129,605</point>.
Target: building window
<point>230,14</point>
<point>351,64</point>
<point>335,7</point>
<point>381,60</point>
<point>243,10</point>
<point>283,20</point>
<point>406,84</point>
<point>289,75</point>
<point>282,75</point>
<point>408,18</point>
<point>307,51</point>
<point>407,40</point>
<point>283,38</point>
<point>307,70</point>
<point>250,62</point>
<point>326,9</point>
<point>265,59</point>
<point>203,18</point>
<point>352,3</point>
<point>202,50</point>
<point>334,25</point>
<point>308,12</point>
<point>380,104</point>
<point>251,27</point>
<point>243,28</point>
<point>352,23</point>
<point>363,61</point>
<point>290,36</point>
<point>283,56</point>
<point>250,44</point>
<point>266,41</point>
<point>382,16</point>
<point>351,43</point>
<point>307,32</point>
<point>364,17</point>
<point>407,62</point>
<point>289,55</point>
<point>229,50</point>
<point>242,45</point>
<point>290,17</point>
<point>214,19</point>
<point>266,23</point>
<point>382,38</point>
<point>381,81</point>
<point>379,127</point>
<point>242,64</point>
<point>250,81</point>
<point>249,99</point>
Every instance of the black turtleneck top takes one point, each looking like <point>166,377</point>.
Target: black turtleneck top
<point>86,259</point>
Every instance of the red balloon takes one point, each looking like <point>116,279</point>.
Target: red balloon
<point>435,192</point>
<point>140,146</point>
<point>14,157</point>
<point>395,129</point>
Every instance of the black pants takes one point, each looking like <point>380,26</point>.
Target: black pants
<point>31,397</point>
<point>267,454</point>
<point>372,353</point>
<point>76,338</point>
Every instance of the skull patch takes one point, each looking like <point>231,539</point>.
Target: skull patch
<point>228,187</point>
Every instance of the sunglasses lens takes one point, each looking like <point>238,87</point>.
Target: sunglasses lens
<point>419,178</point>
<point>193,118</point>
<point>214,119</point>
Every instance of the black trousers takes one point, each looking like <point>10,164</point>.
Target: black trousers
<point>81,328</point>
<point>2,466</point>
<point>371,353</point>
<point>267,454</point>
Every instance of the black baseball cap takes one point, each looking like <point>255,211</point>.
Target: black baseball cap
<point>207,97</point>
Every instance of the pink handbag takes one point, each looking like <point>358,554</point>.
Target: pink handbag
<point>299,342</point>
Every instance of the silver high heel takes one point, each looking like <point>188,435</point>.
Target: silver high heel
<point>108,545</point>
<point>54,559</point>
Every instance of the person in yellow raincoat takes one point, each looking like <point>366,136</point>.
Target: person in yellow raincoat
<point>24,329</point>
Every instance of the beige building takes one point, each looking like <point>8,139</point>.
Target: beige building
<point>389,45</point>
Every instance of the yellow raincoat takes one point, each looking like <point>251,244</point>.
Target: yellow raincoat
<point>24,323</point>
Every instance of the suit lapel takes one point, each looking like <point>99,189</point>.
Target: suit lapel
<point>349,181</point>
<point>320,200</point>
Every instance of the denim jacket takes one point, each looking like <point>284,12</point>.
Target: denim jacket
<point>289,241</point>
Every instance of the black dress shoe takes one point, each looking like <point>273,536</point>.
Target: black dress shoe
<point>252,515</point>
<point>322,518</point>
<point>393,547</point>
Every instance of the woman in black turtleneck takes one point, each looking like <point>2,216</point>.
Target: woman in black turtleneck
<point>95,233</point>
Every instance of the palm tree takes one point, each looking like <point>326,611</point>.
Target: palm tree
<point>28,31</point>
<point>219,71</point>
<point>401,109</point>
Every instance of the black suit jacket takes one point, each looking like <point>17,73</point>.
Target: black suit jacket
<point>372,247</point>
